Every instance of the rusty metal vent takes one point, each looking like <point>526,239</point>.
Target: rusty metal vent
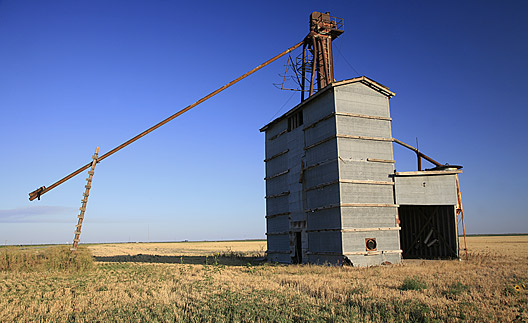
<point>371,244</point>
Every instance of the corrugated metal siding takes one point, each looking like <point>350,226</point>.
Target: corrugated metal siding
<point>362,169</point>
<point>278,224</point>
<point>277,184</point>
<point>349,125</point>
<point>278,144</point>
<point>279,257</point>
<point>323,173</point>
<point>322,197</point>
<point>426,190</point>
<point>324,219</point>
<point>374,259</point>
<point>358,98</point>
<point>324,242</point>
<point>325,151</point>
<point>369,217</point>
<point>357,149</point>
<point>356,155</point>
<point>366,193</point>
<point>328,158</point>
<point>279,243</point>
<point>295,155</point>
<point>318,108</point>
<point>355,241</point>
<point>277,205</point>
<point>320,131</point>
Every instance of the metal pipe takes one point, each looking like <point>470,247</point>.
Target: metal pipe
<point>303,71</point>
<point>429,159</point>
<point>314,53</point>
<point>36,193</point>
<point>326,67</point>
<point>331,59</point>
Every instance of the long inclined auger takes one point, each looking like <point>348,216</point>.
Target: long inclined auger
<point>36,194</point>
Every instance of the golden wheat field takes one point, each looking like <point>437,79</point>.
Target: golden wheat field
<point>226,282</point>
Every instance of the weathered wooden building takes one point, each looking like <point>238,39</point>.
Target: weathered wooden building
<point>332,194</point>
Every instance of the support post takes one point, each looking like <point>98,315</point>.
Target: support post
<point>460,210</point>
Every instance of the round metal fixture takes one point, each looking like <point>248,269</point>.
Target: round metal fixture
<point>371,244</point>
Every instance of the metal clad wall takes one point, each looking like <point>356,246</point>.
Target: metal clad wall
<point>359,149</point>
<point>362,169</point>
<point>386,240</point>
<point>322,152</point>
<point>349,125</point>
<point>278,243</point>
<point>366,156</point>
<point>295,155</point>
<point>426,189</point>
<point>276,142</point>
<point>368,217</point>
<point>324,219</point>
<point>279,184</point>
<point>278,248</point>
<point>325,242</point>
<point>322,197</point>
<point>359,98</point>
<point>375,259</point>
<point>278,224</point>
<point>285,150</point>
<point>346,159</point>
<point>322,130</point>
<point>318,108</point>
<point>366,193</point>
<point>275,129</point>
<point>277,205</point>
<point>279,257</point>
<point>323,173</point>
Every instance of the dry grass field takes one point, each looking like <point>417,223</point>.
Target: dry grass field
<point>224,282</point>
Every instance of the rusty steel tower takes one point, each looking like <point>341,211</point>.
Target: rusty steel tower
<point>317,55</point>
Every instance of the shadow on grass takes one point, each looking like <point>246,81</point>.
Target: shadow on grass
<point>186,260</point>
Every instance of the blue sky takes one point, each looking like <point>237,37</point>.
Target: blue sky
<point>75,75</point>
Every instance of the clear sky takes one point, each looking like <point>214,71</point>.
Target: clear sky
<point>75,75</point>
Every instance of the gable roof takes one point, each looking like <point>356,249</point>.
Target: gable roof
<point>362,79</point>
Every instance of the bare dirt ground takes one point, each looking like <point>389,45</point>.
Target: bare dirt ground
<point>201,248</point>
<point>499,245</point>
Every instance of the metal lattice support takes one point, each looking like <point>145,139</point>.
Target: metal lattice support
<point>84,201</point>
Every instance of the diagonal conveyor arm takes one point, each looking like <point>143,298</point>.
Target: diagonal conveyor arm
<point>40,191</point>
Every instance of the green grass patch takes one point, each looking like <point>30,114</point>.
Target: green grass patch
<point>455,289</point>
<point>413,283</point>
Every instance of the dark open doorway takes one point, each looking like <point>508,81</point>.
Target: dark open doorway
<point>428,231</point>
<point>297,259</point>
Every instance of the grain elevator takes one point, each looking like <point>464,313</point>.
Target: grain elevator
<point>332,193</point>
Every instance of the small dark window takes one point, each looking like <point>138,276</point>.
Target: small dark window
<point>295,120</point>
